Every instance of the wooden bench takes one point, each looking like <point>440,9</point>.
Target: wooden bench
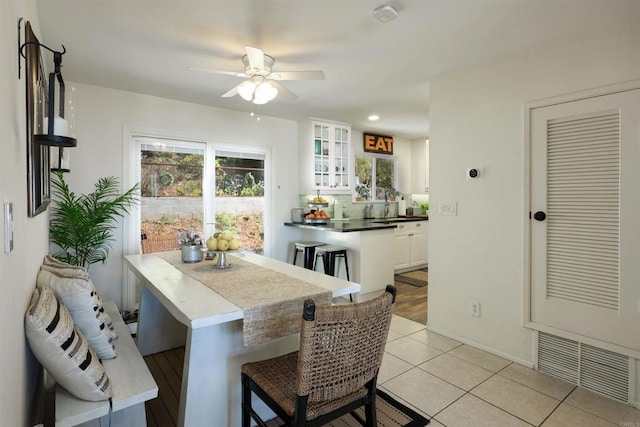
<point>131,381</point>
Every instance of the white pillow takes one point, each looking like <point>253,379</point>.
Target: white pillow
<point>62,269</point>
<point>66,270</point>
<point>62,349</point>
<point>80,297</point>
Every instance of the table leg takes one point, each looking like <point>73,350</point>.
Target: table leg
<point>158,330</point>
<point>211,388</point>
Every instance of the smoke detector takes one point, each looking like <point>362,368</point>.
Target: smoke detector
<point>384,14</point>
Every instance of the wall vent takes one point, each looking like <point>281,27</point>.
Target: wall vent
<point>593,368</point>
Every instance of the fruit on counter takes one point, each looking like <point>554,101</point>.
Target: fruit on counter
<point>223,245</point>
<point>317,215</point>
<point>234,244</point>
<point>318,199</point>
<point>223,241</point>
<point>212,243</point>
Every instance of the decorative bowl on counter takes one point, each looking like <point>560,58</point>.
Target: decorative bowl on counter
<point>316,220</point>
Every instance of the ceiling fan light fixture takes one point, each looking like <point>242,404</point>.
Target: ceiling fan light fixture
<point>246,90</point>
<point>264,93</point>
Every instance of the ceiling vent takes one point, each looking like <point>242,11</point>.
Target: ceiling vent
<point>384,14</point>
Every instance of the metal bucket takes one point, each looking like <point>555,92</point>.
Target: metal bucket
<point>297,215</point>
<point>191,253</point>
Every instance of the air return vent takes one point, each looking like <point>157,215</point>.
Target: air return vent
<point>593,368</point>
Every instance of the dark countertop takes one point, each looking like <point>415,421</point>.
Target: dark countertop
<point>357,224</point>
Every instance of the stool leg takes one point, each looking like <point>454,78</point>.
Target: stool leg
<point>326,257</point>
<point>309,255</point>
<point>295,255</point>
<point>346,266</point>
<point>332,264</point>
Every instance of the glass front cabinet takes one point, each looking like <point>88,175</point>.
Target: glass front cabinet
<point>326,156</point>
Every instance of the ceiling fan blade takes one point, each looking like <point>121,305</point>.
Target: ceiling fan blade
<point>208,70</point>
<point>256,57</point>
<point>297,75</point>
<point>232,92</point>
<point>283,91</point>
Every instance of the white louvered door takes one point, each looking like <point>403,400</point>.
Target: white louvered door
<point>585,255</point>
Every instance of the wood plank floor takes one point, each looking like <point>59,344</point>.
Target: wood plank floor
<point>166,367</point>
<point>411,302</point>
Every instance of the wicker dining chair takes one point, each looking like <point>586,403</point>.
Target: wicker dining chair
<point>334,371</point>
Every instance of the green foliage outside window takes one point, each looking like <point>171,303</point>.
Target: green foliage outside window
<point>378,174</point>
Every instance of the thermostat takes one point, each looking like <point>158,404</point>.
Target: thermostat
<point>473,173</point>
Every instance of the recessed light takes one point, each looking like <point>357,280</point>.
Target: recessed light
<point>374,117</point>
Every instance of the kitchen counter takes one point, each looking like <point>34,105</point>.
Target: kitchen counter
<point>370,243</point>
<point>358,224</point>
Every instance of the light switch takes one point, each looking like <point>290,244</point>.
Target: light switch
<point>448,208</point>
<point>8,227</point>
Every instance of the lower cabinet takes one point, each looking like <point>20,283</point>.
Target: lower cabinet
<point>410,244</point>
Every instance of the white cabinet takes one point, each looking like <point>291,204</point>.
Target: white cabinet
<point>420,166</point>
<point>325,156</point>
<point>410,244</point>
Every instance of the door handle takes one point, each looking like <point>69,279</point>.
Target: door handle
<point>539,216</point>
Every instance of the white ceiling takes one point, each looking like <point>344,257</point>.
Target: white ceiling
<point>145,46</point>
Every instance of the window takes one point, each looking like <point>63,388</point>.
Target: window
<point>375,176</point>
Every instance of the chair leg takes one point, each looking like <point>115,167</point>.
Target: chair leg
<point>370,413</point>
<point>295,255</point>
<point>246,402</point>
<point>370,407</point>
<point>300,412</point>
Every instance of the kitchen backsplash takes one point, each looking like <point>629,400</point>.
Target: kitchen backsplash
<point>355,210</point>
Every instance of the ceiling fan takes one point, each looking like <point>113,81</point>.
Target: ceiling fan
<point>261,85</point>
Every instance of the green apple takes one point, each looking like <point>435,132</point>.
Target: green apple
<point>234,244</point>
<point>226,235</point>
<point>223,245</point>
<point>212,243</point>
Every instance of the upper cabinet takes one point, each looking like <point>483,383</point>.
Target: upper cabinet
<point>325,157</point>
<point>420,166</point>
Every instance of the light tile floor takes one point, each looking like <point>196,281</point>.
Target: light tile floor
<point>454,384</point>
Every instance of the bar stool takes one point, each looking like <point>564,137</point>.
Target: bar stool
<point>329,254</point>
<point>308,249</point>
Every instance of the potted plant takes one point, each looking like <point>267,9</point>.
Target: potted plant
<point>363,192</point>
<point>82,225</point>
<point>424,207</point>
<point>392,193</point>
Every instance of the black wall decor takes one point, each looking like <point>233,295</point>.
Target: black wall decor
<point>38,175</point>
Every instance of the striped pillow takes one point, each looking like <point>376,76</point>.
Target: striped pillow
<point>62,349</point>
<point>62,269</point>
<point>79,296</point>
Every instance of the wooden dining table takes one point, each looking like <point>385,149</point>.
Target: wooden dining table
<point>182,306</point>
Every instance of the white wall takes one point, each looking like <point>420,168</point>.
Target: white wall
<point>102,114</point>
<point>477,121</point>
<point>19,268</point>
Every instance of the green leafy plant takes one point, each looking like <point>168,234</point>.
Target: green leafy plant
<point>363,191</point>
<point>82,225</point>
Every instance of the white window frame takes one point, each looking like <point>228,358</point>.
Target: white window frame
<point>374,158</point>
